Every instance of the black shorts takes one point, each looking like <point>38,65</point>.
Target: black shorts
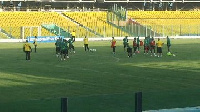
<point>71,46</point>
<point>57,49</point>
<point>125,45</point>
<point>152,47</point>
<point>64,51</point>
<point>135,48</point>
<point>129,50</point>
<point>159,49</point>
<point>73,37</point>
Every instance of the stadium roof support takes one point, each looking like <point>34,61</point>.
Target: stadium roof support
<point>111,1</point>
<point>70,1</point>
<point>75,1</point>
<point>142,1</point>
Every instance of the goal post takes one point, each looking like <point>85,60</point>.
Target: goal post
<point>30,31</point>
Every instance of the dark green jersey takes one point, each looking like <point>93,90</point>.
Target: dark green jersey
<point>146,42</point>
<point>58,42</point>
<point>64,45</point>
<point>70,41</point>
<point>168,42</point>
<point>125,40</point>
<point>150,40</point>
<point>138,41</point>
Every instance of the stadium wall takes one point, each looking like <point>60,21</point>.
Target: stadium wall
<point>108,38</point>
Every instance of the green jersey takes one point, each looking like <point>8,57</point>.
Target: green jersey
<point>168,42</point>
<point>146,42</point>
<point>150,40</point>
<point>58,42</point>
<point>138,41</point>
<point>63,45</point>
<point>70,41</point>
<point>125,41</point>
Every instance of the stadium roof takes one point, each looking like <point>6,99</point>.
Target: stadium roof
<point>152,1</point>
<point>107,1</point>
<point>71,1</point>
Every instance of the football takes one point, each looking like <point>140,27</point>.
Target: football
<point>93,50</point>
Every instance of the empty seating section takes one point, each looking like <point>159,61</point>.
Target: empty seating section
<point>95,20</point>
<point>70,26</point>
<point>164,14</point>
<point>12,22</point>
<point>169,22</point>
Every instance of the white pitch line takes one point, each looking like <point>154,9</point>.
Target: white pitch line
<point>187,109</point>
<point>117,59</point>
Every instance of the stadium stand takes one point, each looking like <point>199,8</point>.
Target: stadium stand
<point>96,20</point>
<point>161,22</point>
<point>13,21</point>
<point>168,22</point>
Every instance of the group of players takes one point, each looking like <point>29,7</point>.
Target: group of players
<point>63,46</point>
<point>148,43</point>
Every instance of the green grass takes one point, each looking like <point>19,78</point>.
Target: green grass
<point>99,81</point>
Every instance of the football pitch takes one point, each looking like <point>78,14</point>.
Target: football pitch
<point>99,81</point>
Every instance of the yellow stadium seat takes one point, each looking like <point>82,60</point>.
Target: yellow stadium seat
<point>168,22</point>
